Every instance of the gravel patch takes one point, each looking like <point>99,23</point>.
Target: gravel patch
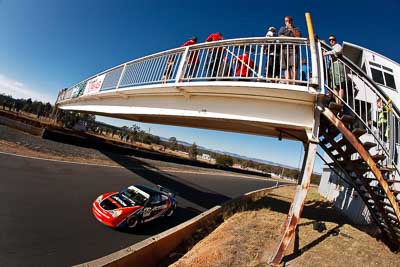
<point>50,147</point>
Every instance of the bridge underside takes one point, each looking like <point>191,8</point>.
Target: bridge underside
<point>248,127</point>
<point>273,112</point>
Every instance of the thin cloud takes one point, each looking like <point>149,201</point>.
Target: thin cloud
<point>18,89</point>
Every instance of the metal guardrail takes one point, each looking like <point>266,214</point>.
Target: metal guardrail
<point>248,59</point>
<point>364,100</point>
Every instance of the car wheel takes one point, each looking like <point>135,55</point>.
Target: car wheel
<point>170,211</point>
<point>132,222</point>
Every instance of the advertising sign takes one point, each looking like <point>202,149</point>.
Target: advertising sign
<point>78,90</point>
<point>68,94</point>
<point>93,86</point>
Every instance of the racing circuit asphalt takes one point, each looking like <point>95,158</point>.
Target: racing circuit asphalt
<point>45,207</point>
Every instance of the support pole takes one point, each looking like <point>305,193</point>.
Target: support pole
<point>298,203</point>
<point>313,50</point>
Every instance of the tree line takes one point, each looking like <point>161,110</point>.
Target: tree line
<point>39,108</point>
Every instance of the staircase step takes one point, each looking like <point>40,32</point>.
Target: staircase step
<point>392,216</point>
<point>395,192</point>
<point>350,150</point>
<point>332,148</point>
<point>332,131</point>
<point>359,132</point>
<point>343,142</point>
<point>380,195</point>
<point>386,169</point>
<point>335,107</point>
<point>368,145</point>
<point>357,165</point>
<point>347,119</point>
<point>370,179</point>
<point>376,158</point>
<point>388,209</point>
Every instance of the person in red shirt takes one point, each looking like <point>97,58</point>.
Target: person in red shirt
<point>214,55</point>
<point>214,37</point>
<point>192,62</point>
<point>244,65</point>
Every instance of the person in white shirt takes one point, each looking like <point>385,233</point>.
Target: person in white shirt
<point>272,67</point>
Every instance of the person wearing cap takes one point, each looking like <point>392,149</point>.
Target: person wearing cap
<point>214,55</point>
<point>272,67</point>
<point>192,62</point>
<point>271,32</point>
<point>336,69</point>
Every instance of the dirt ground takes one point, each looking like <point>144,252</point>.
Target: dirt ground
<point>249,238</point>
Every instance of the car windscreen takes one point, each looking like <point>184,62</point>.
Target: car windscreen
<point>135,196</point>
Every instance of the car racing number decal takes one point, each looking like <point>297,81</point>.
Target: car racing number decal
<point>146,212</point>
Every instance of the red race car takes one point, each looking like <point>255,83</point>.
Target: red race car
<point>133,205</point>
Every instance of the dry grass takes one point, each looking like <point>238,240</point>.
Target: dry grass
<point>249,238</point>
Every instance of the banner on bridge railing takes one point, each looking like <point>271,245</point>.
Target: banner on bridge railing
<point>78,90</point>
<point>93,86</point>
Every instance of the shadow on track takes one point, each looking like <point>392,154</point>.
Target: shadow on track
<point>193,193</point>
<point>91,141</point>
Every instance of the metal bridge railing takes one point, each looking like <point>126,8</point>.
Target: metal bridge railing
<point>366,102</point>
<point>248,59</point>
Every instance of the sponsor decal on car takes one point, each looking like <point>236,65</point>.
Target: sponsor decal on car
<point>146,212</point>
<point>160,207</point>
<point>120,201</point>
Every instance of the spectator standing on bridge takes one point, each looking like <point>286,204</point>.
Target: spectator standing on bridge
<point>244,65</point>
<point>192,62</point>
<point>169,68</point>
<point>272,67</point>
<point>214,55</point>
<point>336,69</point>
<point>290,55</point>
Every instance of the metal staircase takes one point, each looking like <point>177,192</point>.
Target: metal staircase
<point>365,171</point>
<point>363,152</point>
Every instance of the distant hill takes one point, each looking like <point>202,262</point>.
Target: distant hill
<point>233,154</point>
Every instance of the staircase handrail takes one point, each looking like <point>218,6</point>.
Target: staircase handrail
<point>377,90</point>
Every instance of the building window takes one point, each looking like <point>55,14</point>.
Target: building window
<point>383,75</point>
<point>389,78</point>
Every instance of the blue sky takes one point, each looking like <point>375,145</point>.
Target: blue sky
<point>47,45</point>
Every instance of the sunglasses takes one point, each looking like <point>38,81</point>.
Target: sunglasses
<point>332,39</point>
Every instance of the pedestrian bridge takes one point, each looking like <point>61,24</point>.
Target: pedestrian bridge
<point>240,85</point>
<point>199,86</point>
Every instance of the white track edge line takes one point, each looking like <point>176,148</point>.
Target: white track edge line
<point>121,167</point>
